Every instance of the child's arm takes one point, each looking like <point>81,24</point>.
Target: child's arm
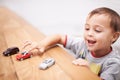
<point>46,42</point>
<point>52,40</point>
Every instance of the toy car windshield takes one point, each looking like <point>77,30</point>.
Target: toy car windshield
<point>24,53</point>
<point>47,63</point>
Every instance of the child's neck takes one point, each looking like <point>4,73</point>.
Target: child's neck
<point>101,53</point>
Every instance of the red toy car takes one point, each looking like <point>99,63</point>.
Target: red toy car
<point>23,55</point>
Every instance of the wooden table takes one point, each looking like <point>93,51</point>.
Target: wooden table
<point>13,32</point>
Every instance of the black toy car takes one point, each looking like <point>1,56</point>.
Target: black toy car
<point>11,51</point>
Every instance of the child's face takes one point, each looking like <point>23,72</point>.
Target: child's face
<point>98,33</point>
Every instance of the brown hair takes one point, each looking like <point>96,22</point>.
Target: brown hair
<point>114,16</point>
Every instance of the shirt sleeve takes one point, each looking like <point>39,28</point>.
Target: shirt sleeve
<point>111,70</point>
<point>73,43</point>
<point>65,41</point>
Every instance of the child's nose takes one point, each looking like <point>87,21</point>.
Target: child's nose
<point>90,33</point>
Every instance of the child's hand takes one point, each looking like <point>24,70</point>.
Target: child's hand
<point>32,46</point>
<point>81,62</point>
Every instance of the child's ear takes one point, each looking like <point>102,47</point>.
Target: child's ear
<point>115,36</point>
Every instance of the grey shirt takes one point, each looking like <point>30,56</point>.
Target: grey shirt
<point>109,64</point>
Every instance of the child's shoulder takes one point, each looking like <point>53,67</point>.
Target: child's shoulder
<point>114,57</point>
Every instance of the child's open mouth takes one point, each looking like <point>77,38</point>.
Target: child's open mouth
<point>91,42</point>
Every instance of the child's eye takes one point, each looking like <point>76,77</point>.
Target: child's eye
<point>98,31</point>
<point>86,29</point>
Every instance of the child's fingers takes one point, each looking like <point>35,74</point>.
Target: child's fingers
<point>80,62</point>
<point>74,62</point>
<point>32,47</point>
<point>26,43</point>
<point>42,50</point>
<point>39,51</point>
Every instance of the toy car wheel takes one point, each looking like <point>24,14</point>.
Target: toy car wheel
<point>30,56</point>
<point>8,55</point>
<point>21,59</point>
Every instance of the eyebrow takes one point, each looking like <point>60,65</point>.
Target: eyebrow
<point>96,25</point>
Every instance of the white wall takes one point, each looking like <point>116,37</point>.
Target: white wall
<point>57,16</point>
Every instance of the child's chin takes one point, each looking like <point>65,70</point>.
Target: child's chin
<point>91,49</point>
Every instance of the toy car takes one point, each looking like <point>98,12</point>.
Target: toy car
<point>47,63</point>
<point>23,55</point>
<point>11,51</point>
